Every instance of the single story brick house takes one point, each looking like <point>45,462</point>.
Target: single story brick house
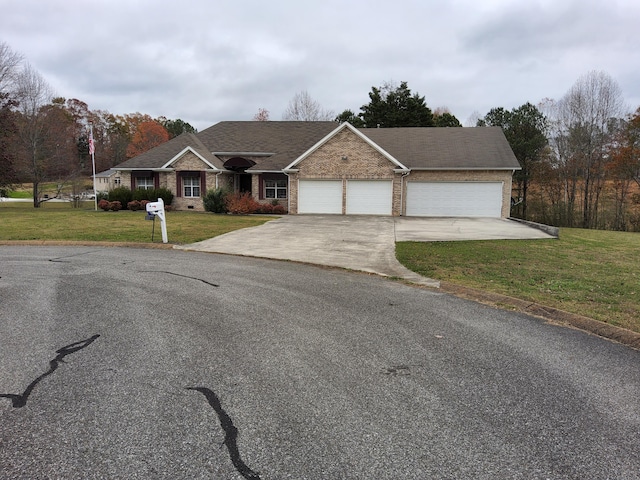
<point>332,168</point>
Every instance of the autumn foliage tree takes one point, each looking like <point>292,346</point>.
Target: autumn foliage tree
<point>623,167</point>
<point>148,135</point>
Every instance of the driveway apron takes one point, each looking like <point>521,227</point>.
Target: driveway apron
<point>363,243</point>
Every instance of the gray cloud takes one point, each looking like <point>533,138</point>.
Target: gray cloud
<point>209,61</point>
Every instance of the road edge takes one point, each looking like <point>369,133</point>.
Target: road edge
<point>596,327</point>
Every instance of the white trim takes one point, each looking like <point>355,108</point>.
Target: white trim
<point>189,149</point>
<point>362,136</point>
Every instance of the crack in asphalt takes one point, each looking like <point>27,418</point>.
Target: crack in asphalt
<point>62,259</point>
<point>179,275</point>
<point>20,400</point>
<point>230,431</point>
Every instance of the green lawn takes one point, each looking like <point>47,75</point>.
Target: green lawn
<point>589,272</point>
<point>59,221</point>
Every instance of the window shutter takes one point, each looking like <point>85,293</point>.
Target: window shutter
<point>133,182</point>
<point>178,184</point>
<point>203,183</point>
<point>156,180</point>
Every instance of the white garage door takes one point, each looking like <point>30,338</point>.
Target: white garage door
<point>454,199</point>
<point>320,196</point>
<point>369,197</point>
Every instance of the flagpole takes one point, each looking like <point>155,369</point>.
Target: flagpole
<point>92,150</point>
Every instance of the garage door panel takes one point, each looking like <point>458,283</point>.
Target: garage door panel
<point>454,199</point>
<point>320,196</point>
<point>369,197</point>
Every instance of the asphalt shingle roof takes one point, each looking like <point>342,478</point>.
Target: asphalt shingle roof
<point>160,155</point>
<point>414,147</point>
<point>446,148</point>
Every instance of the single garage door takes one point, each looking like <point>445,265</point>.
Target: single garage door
<point>454,199</point>
<point>320,196</point>
<point>369,197</point>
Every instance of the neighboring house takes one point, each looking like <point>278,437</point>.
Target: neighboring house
<point>107,180</point>
<point>326,167</point>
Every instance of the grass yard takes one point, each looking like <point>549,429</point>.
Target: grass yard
<point>589,272</point>
<point>59,221</point>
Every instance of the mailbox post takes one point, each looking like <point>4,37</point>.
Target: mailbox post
<point>157,208</point>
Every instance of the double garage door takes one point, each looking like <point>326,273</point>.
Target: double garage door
<point>424,199</point>
<point>363,197</point>
<point>454,199</point>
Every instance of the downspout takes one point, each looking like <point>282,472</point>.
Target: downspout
<point>217,175</point>
<point>288,192</point>
<point>402,192</point>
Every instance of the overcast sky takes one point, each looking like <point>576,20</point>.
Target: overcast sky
<point>204,61</point>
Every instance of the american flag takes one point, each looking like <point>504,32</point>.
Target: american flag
<point>92,147</point>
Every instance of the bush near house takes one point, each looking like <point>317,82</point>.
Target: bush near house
<point>136,205</point>
<point>241,203</point>
<point>109,206</point>
<point>245,204</point>
<point>214,200</point>
<point>120,194</point>
<point>125,196</point>
<point>153,195</point>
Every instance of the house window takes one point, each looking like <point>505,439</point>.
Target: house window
<point>275,189</point>
<point>191,186</point>
<point>116,181</point>
<point>146,183</point>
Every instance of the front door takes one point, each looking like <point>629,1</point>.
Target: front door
<point>244,182</point>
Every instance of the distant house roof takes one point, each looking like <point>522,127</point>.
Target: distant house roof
<point>106,173</point>
<point>275,145</point>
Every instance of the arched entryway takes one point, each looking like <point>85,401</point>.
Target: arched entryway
<point>239,165</point>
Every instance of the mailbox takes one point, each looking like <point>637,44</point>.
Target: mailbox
<point>156,209</point>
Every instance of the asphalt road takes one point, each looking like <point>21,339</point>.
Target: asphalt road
<point>126,363</point>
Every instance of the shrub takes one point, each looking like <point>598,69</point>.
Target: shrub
<point>165,194</point>
<point>265,208</point>
<point>214,200</point>
<point>135,205</point>
<point>104,204</point>
<point>115,206</point>
<point>241,203</point>
<point>102,196</point>
<point>279,210</point>
<point>121,194</point>
<point>153,194</point>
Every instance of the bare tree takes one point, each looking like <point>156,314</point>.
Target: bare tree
<point>304,108</point>
<point>262,115</point>
<point>33,93</point>
<point>9,63</point>
<point>582,129</point>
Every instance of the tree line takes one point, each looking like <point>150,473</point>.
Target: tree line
<point>580,157</point>
<point>45,138</point>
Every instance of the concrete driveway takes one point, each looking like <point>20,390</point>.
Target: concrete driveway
<point>364,243</point>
